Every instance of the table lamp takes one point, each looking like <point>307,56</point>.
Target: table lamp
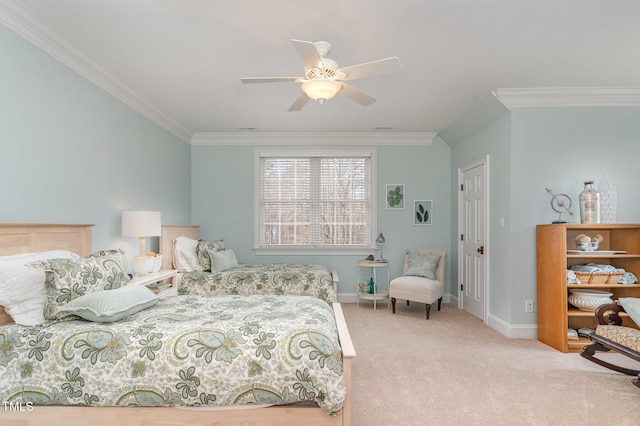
<point>141,224</point>
<point>380,242</point>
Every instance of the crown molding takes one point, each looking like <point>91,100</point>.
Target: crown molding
<point>17,18</point>
<point>568,97</point>
<point>312,138</point>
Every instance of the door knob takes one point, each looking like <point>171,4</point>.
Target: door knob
<point>480,250</point>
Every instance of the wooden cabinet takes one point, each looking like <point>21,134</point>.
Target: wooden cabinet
<point>555,314</point>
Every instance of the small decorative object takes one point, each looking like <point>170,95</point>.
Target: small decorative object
<point>589,204</point>
<point>372,289</point>
<point>157,261</point>
<point>608,199</point>
<point>395,196</point>
<point>588,300</point>
<point>380,242</point>
<point>422,212</point>
<point>560,203</point>
<point>587,243</point>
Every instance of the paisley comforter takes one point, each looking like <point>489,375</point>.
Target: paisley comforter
<point>268,278</point>
<point>184,351</point>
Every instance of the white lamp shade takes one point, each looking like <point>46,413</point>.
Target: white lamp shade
<point>321,89</point>
<point>141,224</point>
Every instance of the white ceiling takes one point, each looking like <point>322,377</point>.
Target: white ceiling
<point>180,61</point>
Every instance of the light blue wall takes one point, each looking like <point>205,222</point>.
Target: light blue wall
<point>534,148</point>
<point>490,142</point>
<point>560,148</point>
<point>71,153</point>
<point>222,203</point>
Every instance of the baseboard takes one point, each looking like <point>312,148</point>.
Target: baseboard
<point>513,331</point>
<point>352,298</point>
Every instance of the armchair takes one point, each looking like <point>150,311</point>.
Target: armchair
<point>422,280</point>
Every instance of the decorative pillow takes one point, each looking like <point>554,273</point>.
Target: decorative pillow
<point>203,249</point>
<point>631,306</point>
<point>185,257</point>
<point>22,288</point>
<point>422,265</point>
<point>222,260</point>
<point>67,279</point>
<point>112,305</point>
<point>113,258</point>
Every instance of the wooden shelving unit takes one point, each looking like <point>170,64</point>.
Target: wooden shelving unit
<point>555,314</point>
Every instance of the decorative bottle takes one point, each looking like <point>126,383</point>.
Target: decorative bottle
<point>589,204</point>
<point>372,288</point>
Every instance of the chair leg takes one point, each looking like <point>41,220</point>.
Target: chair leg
<point>393,305</point>
<point>428,309</point>
<point>439,303</point>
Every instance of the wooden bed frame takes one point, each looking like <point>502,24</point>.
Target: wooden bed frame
<point>18,238</point>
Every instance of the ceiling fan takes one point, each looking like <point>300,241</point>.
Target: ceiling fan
<point>323,79</point>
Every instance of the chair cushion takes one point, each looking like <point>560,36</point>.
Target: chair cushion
<point>417,289</point>
<point>625,336</point>
<point>422,264</point>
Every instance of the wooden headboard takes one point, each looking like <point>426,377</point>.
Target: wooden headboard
<point>169,234</point>
<point>17,238</point>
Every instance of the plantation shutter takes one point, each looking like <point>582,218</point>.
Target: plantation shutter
<point>315,201</point>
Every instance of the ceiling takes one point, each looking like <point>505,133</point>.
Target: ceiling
<point>180,62</point>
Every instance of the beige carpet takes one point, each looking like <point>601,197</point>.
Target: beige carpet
<point>455,370</point>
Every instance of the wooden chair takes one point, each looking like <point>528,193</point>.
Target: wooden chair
<point>610,335</point>
<point>415,285</point>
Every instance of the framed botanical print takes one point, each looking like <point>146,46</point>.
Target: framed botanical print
<point>395,196</point>
<point>422,212</point>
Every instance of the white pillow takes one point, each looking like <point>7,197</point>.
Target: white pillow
<point>185,258</point>
<point>112,305</point>
<point>22,287</point>
<point>222,260</point>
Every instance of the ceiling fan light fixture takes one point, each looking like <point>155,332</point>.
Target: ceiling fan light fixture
<point>321,89</point>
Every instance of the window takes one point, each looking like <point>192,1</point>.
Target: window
<point>320,201</point>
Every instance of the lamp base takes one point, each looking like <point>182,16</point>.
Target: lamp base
<point>142,265</point>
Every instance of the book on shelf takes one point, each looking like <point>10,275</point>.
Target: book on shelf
<point>572,334</point>
<point>158,287</point>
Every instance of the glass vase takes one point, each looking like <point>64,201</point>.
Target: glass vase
<point>589,204</point>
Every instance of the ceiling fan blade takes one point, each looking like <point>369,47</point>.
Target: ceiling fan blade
<point>368,69</point>
<point>299,103</point>
<point>307,50</point>
<point>249,80</point>
<point>356,95</point>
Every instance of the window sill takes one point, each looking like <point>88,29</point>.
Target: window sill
<point>302,251</point>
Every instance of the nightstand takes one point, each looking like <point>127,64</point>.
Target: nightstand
<point>158,282</point>
<point>379,292</point>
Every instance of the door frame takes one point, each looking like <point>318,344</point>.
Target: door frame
<point>479,162</point>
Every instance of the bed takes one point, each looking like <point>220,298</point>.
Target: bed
<point>245,278</point>
<point>193,347</point>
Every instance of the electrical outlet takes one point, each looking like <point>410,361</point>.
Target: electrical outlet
<point>528,305</point>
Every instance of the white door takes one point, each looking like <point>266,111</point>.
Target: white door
<point>472,261</point>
